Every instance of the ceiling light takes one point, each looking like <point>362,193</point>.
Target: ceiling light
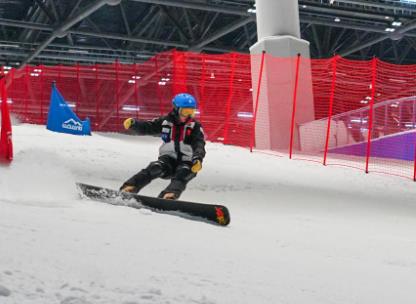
<point>9,45</point>
<point>245,115</point>
<point>78,51</point>
<point>9,101</point>
<point>131,108</point>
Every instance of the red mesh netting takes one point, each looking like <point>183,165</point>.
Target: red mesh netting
<point>335,111</point>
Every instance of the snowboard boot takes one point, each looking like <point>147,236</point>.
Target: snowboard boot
<point>129,189</point>
<point>170,196</point>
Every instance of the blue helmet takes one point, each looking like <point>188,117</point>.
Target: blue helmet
<point>184,100</point>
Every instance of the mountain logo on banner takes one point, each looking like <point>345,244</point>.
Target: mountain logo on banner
<point>71,124</point>
<point>62,119</point>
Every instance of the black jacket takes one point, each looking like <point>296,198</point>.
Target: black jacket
<point>182,141</point>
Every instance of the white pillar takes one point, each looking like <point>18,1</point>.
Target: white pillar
<point>279,36</point>
<point>277,18</point>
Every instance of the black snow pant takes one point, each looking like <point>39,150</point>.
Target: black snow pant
<point>179,172</point>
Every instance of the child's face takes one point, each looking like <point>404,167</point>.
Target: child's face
<point>182,119</point>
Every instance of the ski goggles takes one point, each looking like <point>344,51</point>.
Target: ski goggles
<point>187,112</point>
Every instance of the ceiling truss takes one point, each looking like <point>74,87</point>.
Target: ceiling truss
<point>68,31</point>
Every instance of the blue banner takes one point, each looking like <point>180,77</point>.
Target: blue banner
<point>62,119</point>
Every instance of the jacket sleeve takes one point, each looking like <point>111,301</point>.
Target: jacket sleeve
<point>148,127</point>
<point>198,142</point>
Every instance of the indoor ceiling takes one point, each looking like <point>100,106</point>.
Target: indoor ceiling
<point>89,31</point>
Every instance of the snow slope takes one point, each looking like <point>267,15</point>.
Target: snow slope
<point>300,233</point>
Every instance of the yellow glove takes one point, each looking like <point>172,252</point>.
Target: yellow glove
<point>197,166</point>
<point>128,123</point>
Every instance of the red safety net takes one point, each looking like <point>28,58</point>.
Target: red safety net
<point>365,115</point>
<point>360,114</point>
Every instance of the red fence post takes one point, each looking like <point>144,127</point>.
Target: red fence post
<point>230,96</point>
<point>179,71</point>
<point>6,144</point>
<point>117,94</point>
<point>2,90</point>
<point>26,90</point>
<point>59,72</point>
<point>2,82</point>
<point>41,80</point>
<point>295,97</point>
<point>175,72</point>
<point>185,69</point>
<point>370,118</point>
<point>331,106</point>
<point>79,89</point>
<point>97,96</point>
<point>256,107</point>
<point>158,84</point>
<point>202,87</point>
<point>9,87</point>
<point>136,89</point>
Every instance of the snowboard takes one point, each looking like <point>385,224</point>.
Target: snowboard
<point>217,214</point>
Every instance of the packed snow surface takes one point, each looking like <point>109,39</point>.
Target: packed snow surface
<point>299,232</point>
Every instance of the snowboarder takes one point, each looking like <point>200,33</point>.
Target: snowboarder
<point>182,151</point>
